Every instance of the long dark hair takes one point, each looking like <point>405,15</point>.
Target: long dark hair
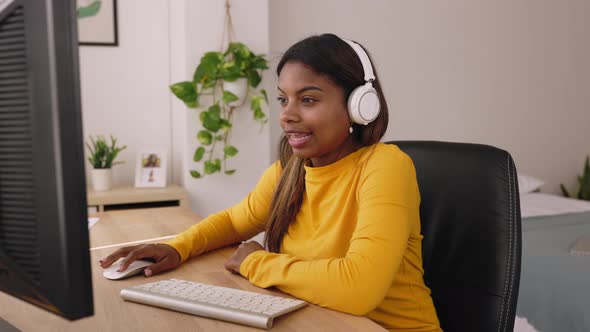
<point>328,55</point>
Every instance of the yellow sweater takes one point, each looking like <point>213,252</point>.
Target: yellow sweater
<point>354,247</point>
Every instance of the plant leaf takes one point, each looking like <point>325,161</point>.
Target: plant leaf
<point>230,171</point>
<point>228,64</point>
<point>199,74</point>
<point>238,49</point>
<point>208,67</point>
<point>205,137</point>
<point>211,167</point>
<point>254,78</point>
<point>255,105</point>
<point>199,154</point>
<point>255,102</point>
<point>259,62</point>
<point>231,71</point>
<point>215,110</point>
<point>225,124</point>
<point>564,191</point>
<point>211,120</point>
<point>195,174</point>
<point>259,114</point>
<point>263,92</point>
<point>187,92</point>
<point>228,97</point>
<point>230,151</point>
<point>90,10</point>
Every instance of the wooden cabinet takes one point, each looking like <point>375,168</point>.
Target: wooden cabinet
<point>131,197</point>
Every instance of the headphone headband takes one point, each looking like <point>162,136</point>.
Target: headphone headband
<point>367,67</point>
<point>363,102</point>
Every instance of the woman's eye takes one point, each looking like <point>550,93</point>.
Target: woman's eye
<point>282,100</point>
<point>307,100</point>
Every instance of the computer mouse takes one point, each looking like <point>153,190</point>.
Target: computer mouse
<point>136,267</point>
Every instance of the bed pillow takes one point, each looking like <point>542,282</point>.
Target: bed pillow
<point>528,184</point>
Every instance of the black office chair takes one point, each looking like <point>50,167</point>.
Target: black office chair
<point>470,216</point>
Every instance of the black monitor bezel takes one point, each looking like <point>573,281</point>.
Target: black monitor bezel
<point>58,163</point>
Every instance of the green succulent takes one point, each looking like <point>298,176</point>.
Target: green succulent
<point>103,155</point>
<point>583,181</point>
<point>238,61</point>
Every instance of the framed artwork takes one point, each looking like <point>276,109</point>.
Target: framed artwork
<point>150,170</point>
<point>97,22</point>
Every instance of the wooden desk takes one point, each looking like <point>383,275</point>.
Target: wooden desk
<point>116,227</point>
<point>111,313</point>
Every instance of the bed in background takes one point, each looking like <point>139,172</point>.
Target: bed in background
<point>555,285</point>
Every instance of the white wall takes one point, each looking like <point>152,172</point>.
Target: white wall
<point>125,92</point>
<point>124,88</point>
<point>514,74</point>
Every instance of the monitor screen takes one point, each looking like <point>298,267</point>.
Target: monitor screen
<point>44,256</point>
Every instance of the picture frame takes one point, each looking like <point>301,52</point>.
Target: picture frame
<point>150,169</point>
<point>97,22</point>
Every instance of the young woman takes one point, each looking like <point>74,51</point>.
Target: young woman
<point>340,209</point>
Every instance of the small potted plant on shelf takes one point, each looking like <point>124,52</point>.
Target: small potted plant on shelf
<point>583,181</point>
<point>102,158</point>
<point>228,80</point>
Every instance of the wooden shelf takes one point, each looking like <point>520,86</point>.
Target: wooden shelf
<point>129,196</point>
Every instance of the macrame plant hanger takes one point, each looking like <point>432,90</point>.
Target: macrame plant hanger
<point>229,35</point>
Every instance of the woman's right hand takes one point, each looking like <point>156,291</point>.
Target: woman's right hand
<point>165,257</point>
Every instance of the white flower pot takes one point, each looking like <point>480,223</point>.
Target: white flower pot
<point>239,88</point>
<point>102,179</point>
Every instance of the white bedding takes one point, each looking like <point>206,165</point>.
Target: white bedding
<point>537,205</point>
<point>540,204</point>
<point>522,325</point>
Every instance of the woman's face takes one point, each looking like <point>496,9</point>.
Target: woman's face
<point>314,115</point>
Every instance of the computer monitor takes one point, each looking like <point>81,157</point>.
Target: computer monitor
<point>44,255</point>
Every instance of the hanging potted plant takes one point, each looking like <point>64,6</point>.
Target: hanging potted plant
<point>102,158</point>
<point>223,82</point>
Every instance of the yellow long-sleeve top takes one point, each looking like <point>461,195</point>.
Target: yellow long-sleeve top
<point>355,245</point>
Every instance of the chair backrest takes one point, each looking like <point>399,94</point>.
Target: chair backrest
<point>470,217</point>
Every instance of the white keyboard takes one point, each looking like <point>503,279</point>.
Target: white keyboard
<point>229,304</point>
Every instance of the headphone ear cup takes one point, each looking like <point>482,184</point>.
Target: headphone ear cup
<point>363,104</point>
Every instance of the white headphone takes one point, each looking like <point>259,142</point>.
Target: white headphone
<point>363,102</point>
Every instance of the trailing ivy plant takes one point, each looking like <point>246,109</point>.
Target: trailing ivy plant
<point>583,181</point>
<point>238,61</point>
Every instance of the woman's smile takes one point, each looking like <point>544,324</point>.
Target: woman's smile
<point>298,139</point>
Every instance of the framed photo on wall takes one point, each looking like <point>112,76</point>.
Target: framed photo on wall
<point>97,22</point>
<point>150,170</point>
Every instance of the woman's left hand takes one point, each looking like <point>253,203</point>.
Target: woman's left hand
<point>236,259</point>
